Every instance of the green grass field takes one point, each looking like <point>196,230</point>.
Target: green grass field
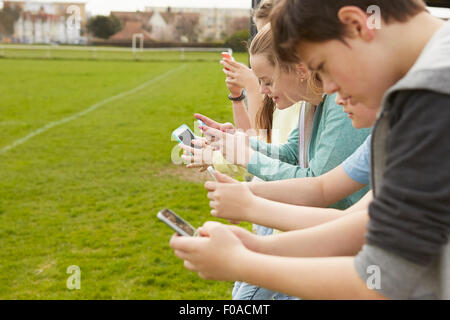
<point>86,192</point>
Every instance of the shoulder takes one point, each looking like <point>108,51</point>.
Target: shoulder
<point>431,110</point>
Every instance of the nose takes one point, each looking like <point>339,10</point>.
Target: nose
<point>339,100</point>
<point>264,89</point>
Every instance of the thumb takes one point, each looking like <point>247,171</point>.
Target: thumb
<point>224,178</point>
<point>227,127</point>
<point>211,227</point>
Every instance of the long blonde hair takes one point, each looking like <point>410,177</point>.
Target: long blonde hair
<point>263,45</point>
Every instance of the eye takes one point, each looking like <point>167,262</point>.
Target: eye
<point>318,77</point>
<point>320,67</point>
<point>320,70</point>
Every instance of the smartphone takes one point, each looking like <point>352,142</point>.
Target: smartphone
<point>227,55</point>
<point>184,135</point>
<point>201,123</point>
<point>181,226</point>
<point>211,172</point>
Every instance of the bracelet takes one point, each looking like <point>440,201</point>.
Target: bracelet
<point>240,98</point>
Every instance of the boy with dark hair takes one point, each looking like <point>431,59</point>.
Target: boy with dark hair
<point>403,66</point>
<point>410,216</point>
<point>297,21</point>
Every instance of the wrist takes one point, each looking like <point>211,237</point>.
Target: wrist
<point>239,270</point>
<point>239,97</point>
<point>236,94</point>
<point>250,207</point>
<point>247,156</point>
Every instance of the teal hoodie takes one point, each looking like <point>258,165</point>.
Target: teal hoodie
<point>333,140</point>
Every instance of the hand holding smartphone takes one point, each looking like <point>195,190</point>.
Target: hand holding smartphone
<point>184,135</point>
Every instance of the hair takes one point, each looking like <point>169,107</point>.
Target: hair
<point>263,44</point>
<point>264,117</point>
<point>262,12</point>
<point>294,21</point>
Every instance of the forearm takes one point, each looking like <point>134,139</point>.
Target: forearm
<point>254,103</point>
<point>241,117</point>
<point>321,191</point>
<point>341,237</point>
<point>362,204</point>
<point>308,278</point>
<point>288,217</point>
<point>302,191</point>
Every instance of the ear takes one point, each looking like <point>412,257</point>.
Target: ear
<point>302,70</point>
<point>356,23</point>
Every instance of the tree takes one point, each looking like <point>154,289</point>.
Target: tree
<point>239,24</point>
<point>238,40</point>
<point>186,25</point>
<point>104,26</point>
<point>8,16</point>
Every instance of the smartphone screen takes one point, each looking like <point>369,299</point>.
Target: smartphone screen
<point>186,137</point>
<point>178,222</point>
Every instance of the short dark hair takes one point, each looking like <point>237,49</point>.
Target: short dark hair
<point>294,21</point>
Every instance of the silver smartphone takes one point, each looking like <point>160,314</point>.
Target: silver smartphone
<point>211,172</point>
<point>181,226</point>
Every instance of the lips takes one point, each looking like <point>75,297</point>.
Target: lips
<point>350,114</point>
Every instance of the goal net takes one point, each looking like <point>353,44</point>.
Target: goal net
<point>136,52</point>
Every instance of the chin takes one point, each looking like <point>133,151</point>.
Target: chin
<point>281,107</point>
<point>357,125</point>
<point>361,125</point>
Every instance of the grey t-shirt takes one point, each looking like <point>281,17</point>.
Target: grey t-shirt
<point>410,217</point>
<point>409,228</point>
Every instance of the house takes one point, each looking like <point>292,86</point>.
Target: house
<point>214,24</point>
<point>158,25</point>
<point>131,28</point>
<point>187,24</point>
<point>48,22</point>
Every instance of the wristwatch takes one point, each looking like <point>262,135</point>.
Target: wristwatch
<point>240,98</point>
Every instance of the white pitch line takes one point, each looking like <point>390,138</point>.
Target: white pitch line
<point>86,111</point>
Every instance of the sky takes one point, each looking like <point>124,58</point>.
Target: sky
<point>105,6</point>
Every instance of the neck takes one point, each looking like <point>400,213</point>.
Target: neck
<point>315,99</point>
<point>422,27</point>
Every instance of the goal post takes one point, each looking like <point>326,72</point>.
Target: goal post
<point>139,36</point>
